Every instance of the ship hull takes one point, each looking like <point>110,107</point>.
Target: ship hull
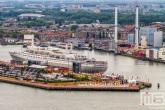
<point>58,63</point>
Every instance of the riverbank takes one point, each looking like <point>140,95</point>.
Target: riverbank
<point>134,56</point>
<point>144,59</point>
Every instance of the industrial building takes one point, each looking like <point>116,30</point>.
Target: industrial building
<point>28,38</point>
<point>158,39</point>
<point>31,15</point>
<point>156,54</point>
<point>131,38</point>
<point>78,43</point>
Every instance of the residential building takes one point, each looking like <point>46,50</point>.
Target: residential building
<point>158,39</point>
<point>149,33</point>
<point>143,41</point>
<point>1,9</point>
<point>131,38</point>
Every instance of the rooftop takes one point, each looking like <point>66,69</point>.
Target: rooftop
<point>32,15</point>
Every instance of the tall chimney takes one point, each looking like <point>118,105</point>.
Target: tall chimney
<point>137,28</point>
<point>116,24</point>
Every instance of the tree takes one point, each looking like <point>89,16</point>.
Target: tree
<point>119,35</point>
<point>18,19</point>
<point>90,45</point>
<point>7,35</point>
<point>21,36</point>
<point>14,35</point>
<point>73,28</point>
<point>38,74</point>
<point>87,34</point>
<point>29,19</point>
<point>164,40</point>
<point>103,34</point>
<point>100,36</point>
<point>1,35</point>
<point>56,76</point>
<point>36,35</point>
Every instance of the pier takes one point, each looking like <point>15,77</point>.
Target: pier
<point>70,81</point>
<point>72,87</point>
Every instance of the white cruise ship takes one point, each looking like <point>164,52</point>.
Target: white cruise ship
<point>53,57</point>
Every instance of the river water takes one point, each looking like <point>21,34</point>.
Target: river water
<point>14,97</point>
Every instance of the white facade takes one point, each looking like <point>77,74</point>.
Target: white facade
<point>131,38</point>
<point>149,33</point>
<point>155,54</point>
<point>28,38</point>
<point>77,42</point>
<point>143,41</point>
<point>147,53</point>
<point>31,15</point>
<point>158,39</point>
<point>112,45</point>
<point>161,54</point>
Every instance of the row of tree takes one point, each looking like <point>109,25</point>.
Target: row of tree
<point>86,17</point>
<point>17,35</point>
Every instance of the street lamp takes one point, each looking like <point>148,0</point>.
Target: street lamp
<point>68,63</point>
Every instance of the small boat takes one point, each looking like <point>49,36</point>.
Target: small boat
<point>24,45</point>
<point>53,44</point>
<point>43,45</point>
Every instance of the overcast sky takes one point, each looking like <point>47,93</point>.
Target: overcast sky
<point>95,0</point>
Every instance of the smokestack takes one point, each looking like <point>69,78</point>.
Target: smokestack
<point>137,28</point>
<point>116,24</point>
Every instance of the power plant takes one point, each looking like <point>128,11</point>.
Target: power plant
<point>136,27</point>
